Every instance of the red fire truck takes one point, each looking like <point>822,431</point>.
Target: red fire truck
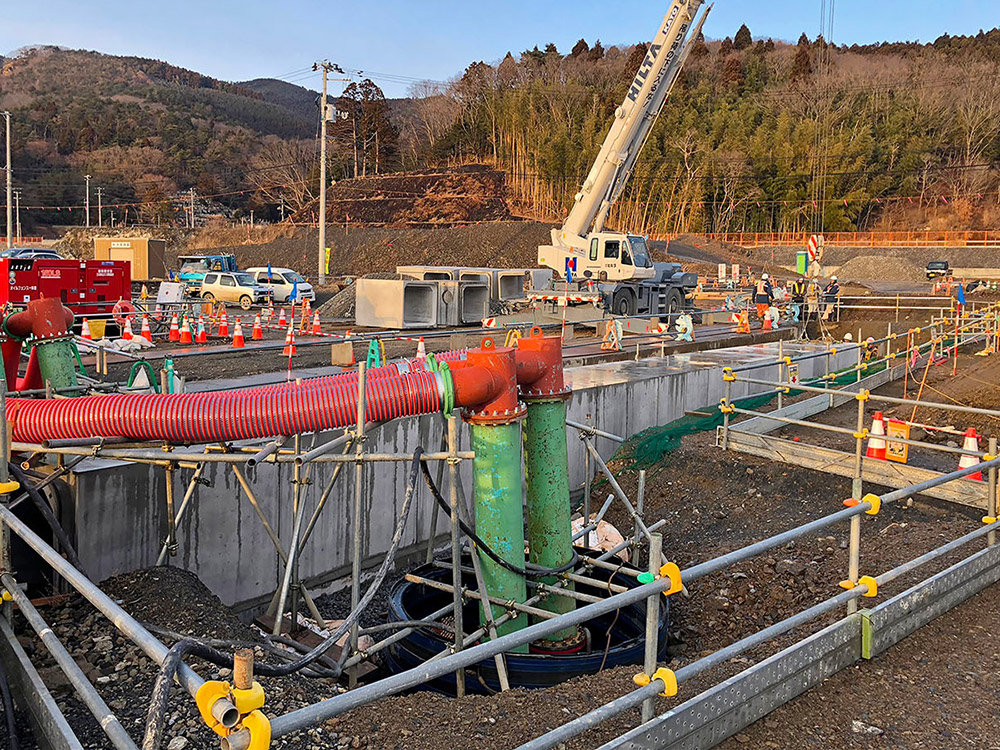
<point>87,287</point>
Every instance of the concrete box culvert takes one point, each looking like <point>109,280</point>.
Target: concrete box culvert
<point>510,285</point>
<point>474,304</point>
<point>392,303</point>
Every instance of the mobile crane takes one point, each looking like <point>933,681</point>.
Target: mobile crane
<point>607,268</point>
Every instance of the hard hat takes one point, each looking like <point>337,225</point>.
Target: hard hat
<point>870,340</point>
<point>834,278</point>
<point>764,277</point>
<point>848,337</point>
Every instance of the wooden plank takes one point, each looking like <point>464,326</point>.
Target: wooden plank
<point>840,463</point>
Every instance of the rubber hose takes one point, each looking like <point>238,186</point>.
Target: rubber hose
<point>195,418</point>
<point>190,647</point>
<point>8,711</point>
<point>531,571</point>
<point>46,510</point>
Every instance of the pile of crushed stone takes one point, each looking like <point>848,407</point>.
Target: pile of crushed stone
<point>881,268</point>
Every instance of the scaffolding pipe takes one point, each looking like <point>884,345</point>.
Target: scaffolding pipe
<point>88,693</point>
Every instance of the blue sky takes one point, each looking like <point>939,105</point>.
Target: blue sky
<point>434,39</point>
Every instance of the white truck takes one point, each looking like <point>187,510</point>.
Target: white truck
<point>606,268</point>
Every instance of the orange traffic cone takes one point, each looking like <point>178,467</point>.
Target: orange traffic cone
<point>282,320</point>
<point>224,325</point>
<point>85,333</point>
<point>289,349</point>
<point>767,324</point>
<point>876,439</point>
<point>316,329</point>
<point>972,458</point>
<point>127,330</point>
<point>201,337</point>
<point>257,334</point>
<point>421,349</point>
<point>144,331</point>
<point>175,333</point>
<point>185,335</point>
<point>238,342</point>
<point>744,323</point>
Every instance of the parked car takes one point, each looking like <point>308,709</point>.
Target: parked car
<point>239,288</point>
<point>30,252</point>
<point>282,280</point>
<point>938,268</point>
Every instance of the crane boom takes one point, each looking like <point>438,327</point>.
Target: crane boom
<point>616,160</point>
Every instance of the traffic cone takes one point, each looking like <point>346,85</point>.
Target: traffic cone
<point>201,337</point>
<point>224,325</point>
<point>316,329</point>
<point>144,331</point>
<point>282,320</point>
<point>972,458</point>
<point>175,333</point>
<point>270,310</point>
<point>185,335</point>
<point>257,334</point>
<point>289,349</point>
<point>421,349</point>
<point>238,341</point>
<point>876,439</point>
<point>127,330</point>
<point>85,331</point>
<point>767,324</point>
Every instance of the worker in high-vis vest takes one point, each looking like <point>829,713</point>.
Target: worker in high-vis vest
<point>797,293</point>
<point>763,295</point>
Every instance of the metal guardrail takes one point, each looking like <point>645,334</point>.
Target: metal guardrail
<point>861,239</point>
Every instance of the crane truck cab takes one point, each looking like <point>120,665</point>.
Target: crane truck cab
<point>609,256</point>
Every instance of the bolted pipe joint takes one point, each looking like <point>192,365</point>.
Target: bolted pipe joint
<point>540,367</point>
<point>487,385</point>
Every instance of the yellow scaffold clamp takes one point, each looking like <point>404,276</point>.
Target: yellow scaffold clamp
<point>873,500</point>
<point>988,520</point>
<point>8,487</point>
<point>667,676</point>
<point>252,727</point>
<point>727,375</point>
<point>868,581</point>
<point>726,408</point>
<point>863,396</point>
<point>669,571</point>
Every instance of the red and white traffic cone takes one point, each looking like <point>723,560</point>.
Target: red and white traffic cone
<point>972,458</point>
<point>144,331</point>
<point>224,325</point>
<point>238,341</point>
<point>282,320</point>
<point>85,333</point>
<point>876,438</point>
<point>421,349</point>
<point>175,332</point>
<point>257,334</point>
<point>201,337</point>
<point>127,330</point>
<point>317,330</point>
<point>289,349</point>
<point>185,334</point>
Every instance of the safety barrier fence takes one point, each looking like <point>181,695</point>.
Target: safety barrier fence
<point>862,239</point>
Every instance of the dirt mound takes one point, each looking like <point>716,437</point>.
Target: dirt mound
<point>356,251</point>
<point>876,267</point>
<point>437,196</point>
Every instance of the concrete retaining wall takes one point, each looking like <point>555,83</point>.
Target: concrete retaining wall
<point>120,508</point>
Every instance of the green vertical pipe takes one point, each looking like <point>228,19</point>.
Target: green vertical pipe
<point>546,471</point>
<point>57,363</point>
<point>499,515</point>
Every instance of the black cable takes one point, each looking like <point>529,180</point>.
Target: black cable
<point>47,514</point>
<point>529,571</point>
<point>156,715</point>
<point>8,711</point>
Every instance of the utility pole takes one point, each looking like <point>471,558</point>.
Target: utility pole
<point>100,207</point>
<point>17,203</point>
<point>87,178</point>
<point>10,228</point>
<point>325,116</point>
<point>191,200</point>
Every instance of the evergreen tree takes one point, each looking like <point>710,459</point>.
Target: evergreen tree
<point>743,38</point>
<point>580,48</point>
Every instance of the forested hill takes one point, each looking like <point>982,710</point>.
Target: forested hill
<point>757,136</point>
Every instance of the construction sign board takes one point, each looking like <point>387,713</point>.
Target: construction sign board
<point>722,272</point>
<point>793,374</point>
<point>894,450</point>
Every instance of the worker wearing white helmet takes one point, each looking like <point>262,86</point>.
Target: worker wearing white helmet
<point>871,350</point>
<point>763,295</point>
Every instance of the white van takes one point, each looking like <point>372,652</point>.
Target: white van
<point>281,281</point>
